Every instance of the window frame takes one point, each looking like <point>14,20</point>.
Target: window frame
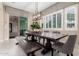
<point>60,11</point>
<point>51,15</point>
<point>75,7</point>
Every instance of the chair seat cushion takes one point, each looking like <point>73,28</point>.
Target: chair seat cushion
<point>29,46</point>
<point>57,45</point>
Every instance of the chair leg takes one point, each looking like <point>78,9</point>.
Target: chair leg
<point>52,52</point>
<point>67,54</point>
<point>57,51</point>
<point>71,54</point>
<point>17,43</point>
<point>28,54</point>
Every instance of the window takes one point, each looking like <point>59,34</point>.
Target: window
<point>49,21</point>
<point>43,22</point>
<point>42,25</point>
<point>71,17</point>
<point>54,21</point>
<point>57,20</point>
<point>47,24</point>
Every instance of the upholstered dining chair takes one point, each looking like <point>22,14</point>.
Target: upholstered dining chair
<point>66,48</point>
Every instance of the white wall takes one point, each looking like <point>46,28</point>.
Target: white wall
<point>17,12</point>
<point>4,24</point>
<point>1,22</point>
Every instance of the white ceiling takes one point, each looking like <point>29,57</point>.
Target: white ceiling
<point>29,6</point>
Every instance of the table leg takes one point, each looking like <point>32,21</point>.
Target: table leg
<point>52,52</point>
<point>47,47</point>
<point>26,38</point>
<point>32,38</point>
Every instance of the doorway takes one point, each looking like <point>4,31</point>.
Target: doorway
<point>23,25</point>
<point>13,26</point>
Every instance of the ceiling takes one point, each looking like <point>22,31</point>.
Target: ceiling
<point>29,6</point>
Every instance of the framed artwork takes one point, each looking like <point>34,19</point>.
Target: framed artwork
<point>10,27</point>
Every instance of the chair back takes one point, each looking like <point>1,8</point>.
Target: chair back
<point>68,47</point>
<point>56,32</point>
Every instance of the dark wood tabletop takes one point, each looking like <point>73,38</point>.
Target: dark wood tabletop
<point>51,36</point>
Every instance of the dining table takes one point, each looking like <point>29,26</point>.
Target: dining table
<point>49,36</point>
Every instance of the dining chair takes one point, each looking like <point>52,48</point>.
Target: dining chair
<point>66,48</point>
<point>56,32</point>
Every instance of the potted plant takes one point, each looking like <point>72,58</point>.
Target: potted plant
<point>35,26</point>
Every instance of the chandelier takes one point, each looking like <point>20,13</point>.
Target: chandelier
<point>36,15</point>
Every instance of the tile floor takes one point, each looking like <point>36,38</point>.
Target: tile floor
<point>9,48</point>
